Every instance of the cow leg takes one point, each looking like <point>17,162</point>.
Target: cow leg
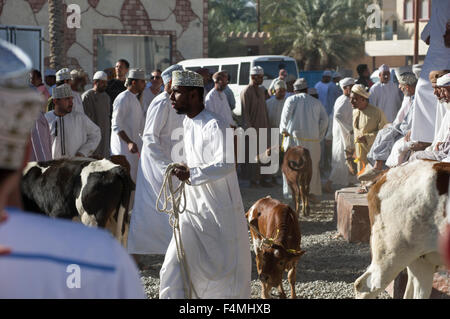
<point>295,196</point>
<point>281,291</point>
<point>305,200</point>
<point>420,279</point>
<point>265,291</point>
<point>291,278</point>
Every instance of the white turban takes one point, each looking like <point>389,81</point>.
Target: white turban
<point>257,70</point>
<point>167,73</point>
<point>100,75</point>
<point>62,91</point>
<point>300,84</point>
<point>383,68</point>
<point>444,80</point>
<point>346,82</point>
<point>63,75</point>
<point>360,90</point>
<point>280,84</point>
<point>186,78</point>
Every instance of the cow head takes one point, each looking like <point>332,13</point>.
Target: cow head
<point>272,261</point>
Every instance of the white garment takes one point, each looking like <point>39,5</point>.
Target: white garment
<point>342,140</point>
<point>77,102</point>
<point>150,232</point>
<point>71,134</point>
<point>441,111</point>
<point>214,232</point>
<point>42,251</point>
<point>147,98</point>
<point>306,118</point>
<point>128,117</point>
<point>217,103</point>
<point>443,128</point>
<point>387,97</point>
<point>274,109</point>
<point>438,58</point>
<point>406,105</point>
<point>322,91</point>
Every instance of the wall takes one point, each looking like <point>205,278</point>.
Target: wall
<point>186,21</point>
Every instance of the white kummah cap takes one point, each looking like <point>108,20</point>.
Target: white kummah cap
<point>360,90</point>
<point>337,75</point>
<point>407,78</point>
<point>100,75</point>
<point>62,91</point>
<point>63,74</point>
<point>136,74</point>
<point>167,73</point>
<point>300,84</point>
<point>312,91</point>
<point>280,84</point>
<point>327,73</point>
<point>384,68</point>
<point>187,78</point>
<point>19,106</point>
<point>257,70</point>
<point>444,80</point>
<point>346,82</point>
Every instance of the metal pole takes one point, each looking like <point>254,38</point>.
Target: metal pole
<point>416,31</point>
<point>258,3</point>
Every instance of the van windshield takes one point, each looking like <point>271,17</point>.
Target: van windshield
<point>272,68</point>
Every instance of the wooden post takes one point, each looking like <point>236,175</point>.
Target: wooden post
<point>416,31</point>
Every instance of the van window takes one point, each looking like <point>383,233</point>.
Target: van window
<point>272,68</point>
<point>212,68</point>
<point>192,68</point>
<point>244,74</point>
<point>232,70</point>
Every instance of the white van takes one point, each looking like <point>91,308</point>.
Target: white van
<point>239,70</point>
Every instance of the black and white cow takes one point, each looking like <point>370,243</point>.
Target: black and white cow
<point>80,189</point>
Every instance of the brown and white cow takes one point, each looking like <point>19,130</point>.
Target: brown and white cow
<point>276,237</point>
<point>96,192</point>
<point>407,215</point>
<point>297,169</point>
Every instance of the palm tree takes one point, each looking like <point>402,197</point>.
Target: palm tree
<point>56,32</point>
<point>318,33</point>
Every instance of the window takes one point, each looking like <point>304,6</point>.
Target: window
<point>232,71</point>
<point>409,10</point>
<point>146,52</point>
<point>272,68</point>
<point>244,74</point>
<point>212,68</point>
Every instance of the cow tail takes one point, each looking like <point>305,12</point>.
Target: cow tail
<point>123,214</point>
<point>297,166</point>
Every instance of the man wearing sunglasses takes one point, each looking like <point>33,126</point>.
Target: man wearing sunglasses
<point>152,90</point>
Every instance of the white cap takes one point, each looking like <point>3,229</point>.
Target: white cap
<point>280,84</point>
<point>167,73</point>
<point>186,78</point>
<point>327,73</point>
<point>337,75</point>
<point>383,68</point>
<point>136,74</point>
<point>63,74</point>
<point>300,84</point>
<point>346,82</point>
<point>444,80</point>
<point>62,91</point>
<point>100,75</point>
<point>257,70</point>
<point>360,90</point>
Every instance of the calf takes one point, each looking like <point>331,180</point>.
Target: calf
<point>297,168</point>
<point>82,189</point>
<point>276,240</point>
<point>407,214</point>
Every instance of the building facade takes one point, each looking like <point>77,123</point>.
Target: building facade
<point>150,34</point>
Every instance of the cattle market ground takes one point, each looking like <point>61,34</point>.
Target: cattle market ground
<point>326,271</point>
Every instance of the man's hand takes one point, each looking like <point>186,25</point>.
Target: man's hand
<point>408,136</point>
<point>438,144</point>
<point>132,147</point>
<point>362,139</point>
<point>286,134</point>
<point>181,172</point>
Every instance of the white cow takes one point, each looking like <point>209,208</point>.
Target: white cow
<point>407,214</point>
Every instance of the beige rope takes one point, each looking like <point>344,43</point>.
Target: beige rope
<point>174,196</point>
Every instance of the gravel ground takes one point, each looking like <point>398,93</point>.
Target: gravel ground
<point>326,271</point>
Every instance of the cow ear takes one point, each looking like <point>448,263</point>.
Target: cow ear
<point>252,215</point>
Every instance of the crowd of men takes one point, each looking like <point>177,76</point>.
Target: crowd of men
<point>372,125</point>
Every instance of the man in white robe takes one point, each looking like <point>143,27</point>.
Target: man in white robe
<point>386,95</point>
<point>77,100</point>
<point>128,121</point>
<point>216,101</point>
<point>342,138</point>
<point>213,229</point>
<point>282,75</point>
<point>150,231</point>
<point>304,122</point>
<point>73,133</point>
<point>386,137</point>
<point>323,87</point>
<point>438,58</point>
<point>152,91</point>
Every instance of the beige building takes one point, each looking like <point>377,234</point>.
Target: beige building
<point>393,42</point>
<point>148,33</point>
